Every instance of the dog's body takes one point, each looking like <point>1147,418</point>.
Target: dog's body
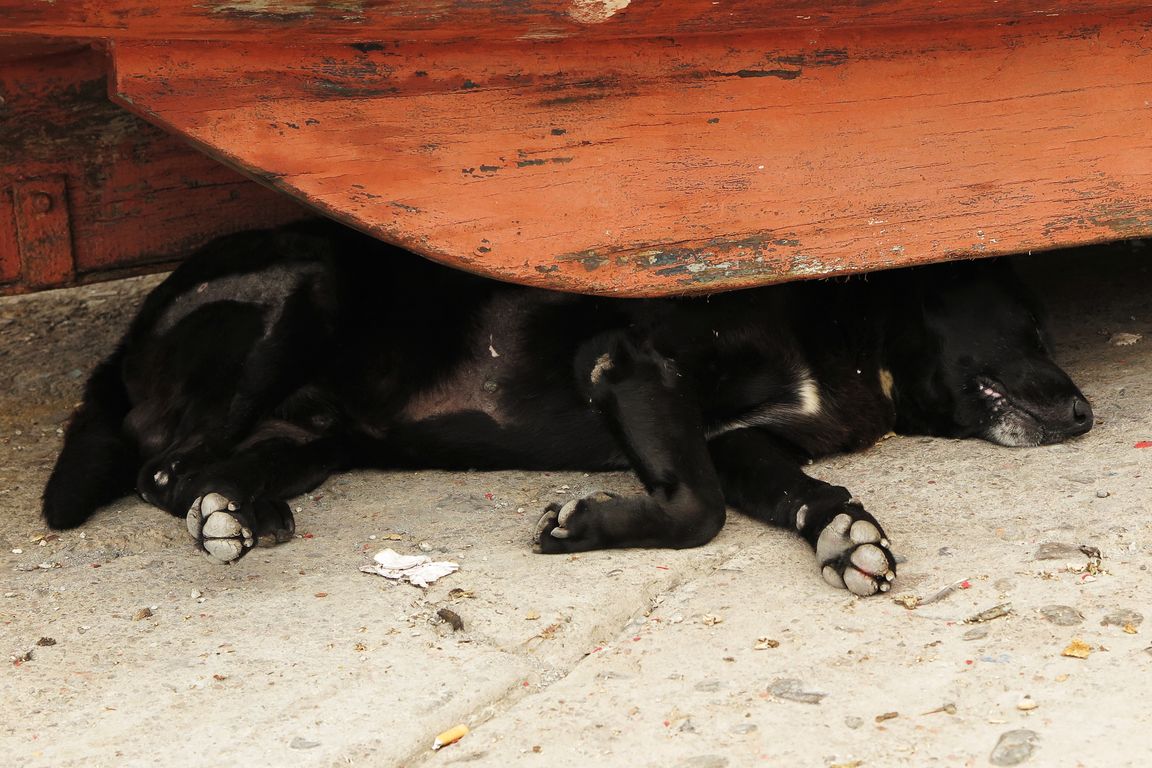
<point>272,359</point>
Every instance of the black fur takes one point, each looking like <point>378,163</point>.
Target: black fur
<point>271,359</point>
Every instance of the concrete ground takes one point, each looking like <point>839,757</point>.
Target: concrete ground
<point>144,653</point>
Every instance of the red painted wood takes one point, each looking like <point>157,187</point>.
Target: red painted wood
<point>290,21</point>
<point>698,164</point>
<point>43,231</point>
<point>652,147</point>
<point>125,195</point>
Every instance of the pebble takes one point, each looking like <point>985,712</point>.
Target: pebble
<point>1062,615</point>
<point>791,689</point>
<point>17,551</point>
<point>299,743</point>
<point>1055,550</point>
<point>1102,494</point>
<point>853,722</point>
<point>703,761</point>
<point>1121,617</point>
<point>1014,747</point>
<point>1026,704</point>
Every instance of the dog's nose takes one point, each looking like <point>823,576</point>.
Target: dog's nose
<point>1081,416</point>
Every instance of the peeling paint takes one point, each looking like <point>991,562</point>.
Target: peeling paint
<point>287,10</point>
<point>595,11</point>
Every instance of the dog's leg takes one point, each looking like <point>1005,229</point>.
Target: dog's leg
<point>763,479</point>
<point>656,421</point>
<point>230,504</point>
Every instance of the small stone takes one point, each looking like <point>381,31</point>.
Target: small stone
<point>195,593</point>
<point>45,642</point>
<point>17,551</point>
<point>299,743</point>
<point>1122,617</point>
<point>532,616</point>
<point>1026,704</point>
<point>1054,550</point>
<point>1014,747</point>
<point>1124,339</point>
<point>1102,494</point>
<point>853,722</point>
<point>1062,615</point>
<point>711,619</point>
<point>424,546</point>
<point>703,761</point>
<point>143,613</point>
<point>976,633</point>
<point>791,689</point>
<point>764,643</point>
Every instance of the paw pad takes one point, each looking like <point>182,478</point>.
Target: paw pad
<point>221,534</point>
<point>854,554</point>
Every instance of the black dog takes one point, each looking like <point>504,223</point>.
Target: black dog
<point>271,359</point>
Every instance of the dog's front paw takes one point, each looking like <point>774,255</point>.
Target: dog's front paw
<point>853,552</point>
<point>220,529</point>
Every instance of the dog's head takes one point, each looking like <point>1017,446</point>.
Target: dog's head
<point>969,358</point>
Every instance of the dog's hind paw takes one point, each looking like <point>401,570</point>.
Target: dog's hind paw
<point>854,553</point>
<point>219,528</point>
<point>571,526</point>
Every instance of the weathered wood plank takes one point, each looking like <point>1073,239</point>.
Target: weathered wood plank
<point>86,187</point>
<point>492,20</point>
<point>692,164</point>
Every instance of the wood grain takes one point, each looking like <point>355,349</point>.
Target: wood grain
<point>677,165</point>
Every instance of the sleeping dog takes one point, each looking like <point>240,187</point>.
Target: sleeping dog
<point>271,359</point>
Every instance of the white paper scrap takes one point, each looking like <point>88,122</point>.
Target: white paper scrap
<point>414,569</point>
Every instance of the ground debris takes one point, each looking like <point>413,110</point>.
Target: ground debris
<point>764,643</point>
<point>451,618</point>
<point>948,709</point>
<point>46,641</point>
<point>887,716</point>
<point>418,570</point>
<point>1077,649</point>
<point>450,736</point>
<point>995,612</point>
<point>143,613</point>
<point>912,601</point>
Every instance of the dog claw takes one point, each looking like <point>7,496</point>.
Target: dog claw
<point>560,533</point>
<point>565,513</point>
